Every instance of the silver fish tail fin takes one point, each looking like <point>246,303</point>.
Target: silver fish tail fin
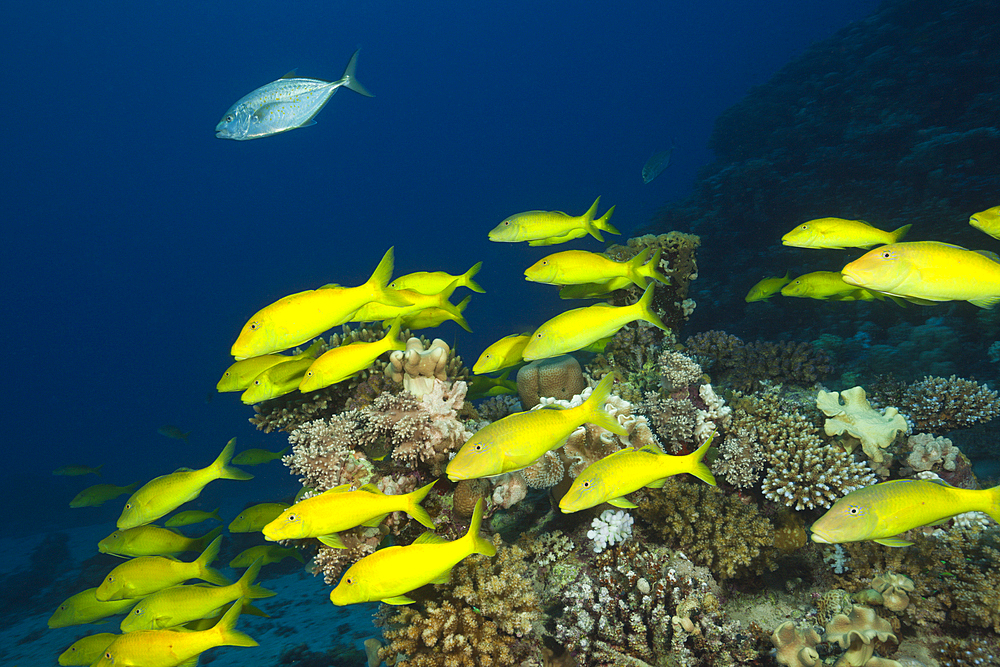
<point>350,77</point>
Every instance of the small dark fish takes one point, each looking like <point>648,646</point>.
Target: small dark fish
<point>173,432</point>
<point>655,164</point>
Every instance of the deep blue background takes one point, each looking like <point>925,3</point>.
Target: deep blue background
<point>137,244</point>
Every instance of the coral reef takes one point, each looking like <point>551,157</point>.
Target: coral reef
<point>850,415</point>
<point>743,366</point>
<point>937,405</point>
<point>559,377</point>
<point>421,363</point>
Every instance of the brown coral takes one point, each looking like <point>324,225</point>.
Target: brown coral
<point>796,647</point>
<point>559,377</point>
<point>857,632</point>
<point>938,405</point>
<point>744,366</point>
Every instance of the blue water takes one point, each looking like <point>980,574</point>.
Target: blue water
<point>137,244</point>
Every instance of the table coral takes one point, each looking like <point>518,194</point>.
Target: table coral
<point>849,412</point>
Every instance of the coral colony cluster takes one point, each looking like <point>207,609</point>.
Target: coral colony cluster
<point>687,576</point>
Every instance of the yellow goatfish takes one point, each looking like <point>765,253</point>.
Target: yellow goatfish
<point>884,511</point>
<point>266,554</point>
<point>169,648</point>
<point>987,221</point>
<point>928,271</point>
<point>428,318</point>
<point>520,439</point>
<point>178,605</point>
<point>255,517</point>
<point>276,381</point>
<point>433,282</point>
<point>299,317</point>
<point>578,267</point>
<point>338,509</point>
<point>767,288</point>
<point>825,285</point>
<point>191,517</point>
<point>164,494</point>
<point>611,478</point>
<point>343,362</point>
<point>549,227</point>
<point>388,574</point>
<point>84,607</point>
<point>98,494</point>
<point>578,328</point>
<point>255,456</point>
<point>593,290</point>
<point>378,312</point>
<point>87,650</point>
<point>839,233</point>
<point>77,470</point>
<point>504,353</point>
<point>142,576</point>
<point>150,540</point>
<point>240,374</point>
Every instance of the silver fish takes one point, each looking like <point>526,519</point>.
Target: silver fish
<point>655,164</point>
<point>285,104</point>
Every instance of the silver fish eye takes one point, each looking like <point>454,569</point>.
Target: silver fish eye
<point>229,118</point>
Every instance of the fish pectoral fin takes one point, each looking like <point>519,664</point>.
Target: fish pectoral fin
<point>622,502</point>
<point>374,521</point>
<point>333,541</point>
<point>398,600</point>
<point>657,483</point>
<point>443,578</point>
<point>893,542</point>
<point>986,301</point>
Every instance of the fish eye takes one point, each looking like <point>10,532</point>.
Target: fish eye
<point>478,447</point>
<point>586,485</point>
<point>257,382</point>
<point>128,506</point>
<point>253,326</point>
<point>854,511</point>
<point>886,255</point>
<point>292,517</point>
<point>229,118</point>
<point>349,580</point>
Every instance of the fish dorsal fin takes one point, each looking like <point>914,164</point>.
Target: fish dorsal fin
<point>290,75</point>
<point>343,488</point>
<point>371,488</point>
<point>430,538</point>
<point>651,448</point>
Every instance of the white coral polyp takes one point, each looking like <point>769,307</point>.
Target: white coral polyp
<point>610,528</point>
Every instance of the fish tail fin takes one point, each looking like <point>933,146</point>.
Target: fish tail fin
<point>480,545</point>
<point>645,306</point>
<point>201,543</point>
<point>97,470</point>
<point>634,268</point>
<point>226,628</point>
<point>380,279</point>
<point>651,269</point>
<point>415,510</point>
<point>204,564</point>
<point>898,235</point>
<point>214,514</point>
<point>392,336</point>
<point>696,463</point>
<point>460,318</point>
<point>221,465</point>
<point>350,77</point>
<point>588,221</point>
<point>594,411</point>
<point>248,588</point>
<point>602,222</point>
<point>993,508</point>
<point>469,282</point>
<point>131,487</point>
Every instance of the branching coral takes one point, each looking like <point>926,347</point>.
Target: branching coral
<point>487,615</point>
<point>937,405</point>
<point>744,366</point>
<point>713,528</point>
<point>678,370</point>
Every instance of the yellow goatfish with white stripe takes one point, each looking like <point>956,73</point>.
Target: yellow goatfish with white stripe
<point>520,439</point>
<point>152,540</point>
<point>549,227</point>
<point>611,478</point>
<point>339,509</point>
<point>578,267</point>
<point>388,574</point>
<point>576,329</point>
<point>299,317</point>
<point>884,511</point>
<point>927,272</point>
<point>142,576</point>
<point>839,233</point>
<point>164,494</point>
<point>169,648</point>
<point>341,363</point>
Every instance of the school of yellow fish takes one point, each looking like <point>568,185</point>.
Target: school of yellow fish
<point>169,622</point>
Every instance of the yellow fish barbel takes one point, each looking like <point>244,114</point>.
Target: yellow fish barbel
<point>578,267</point>
<point>839,233</point>
<point>345,361</point>
<point>611,478</point>
<point>340,509</point>
<point>164,494</point>
<point>388,574</point>
<point>433,282</point>
<point>580,327</point>
<point>883,511</point>
<point>300,317</point>
<point>767,287</point>
<point>145,575</point>
<point>178,605</point>
<point>518,440</point>
<point>550,227</point>
<point>928,272</point>
<point>987,221</point>
<point>504,353</point>
<point>169,648</point>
